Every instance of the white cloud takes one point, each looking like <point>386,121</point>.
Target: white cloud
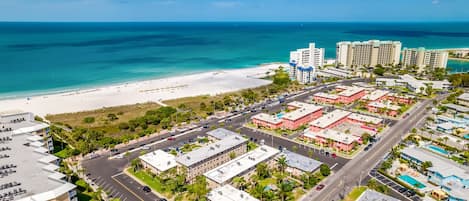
<point>226,4</point>
<point>434,2</point>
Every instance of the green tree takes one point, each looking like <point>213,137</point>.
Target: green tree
<point>282,163</point>
<point>325,170</point>
<point>232,155</point>
<point>240,182</point>
<point>281,77</point>
<point>425,165</point>
<point>112,117</point>
<point>88,120</point>
<point>262,170</point>
<point>136,164</point>
<point>285,190</point>
<point>379,71</point>
<point>199,187</point>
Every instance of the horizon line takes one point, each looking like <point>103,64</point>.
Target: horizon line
<point>240,21</point>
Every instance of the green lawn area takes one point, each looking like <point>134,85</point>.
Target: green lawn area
<point>146,178</point>
<point>267,181</point>
<point>355,193</point>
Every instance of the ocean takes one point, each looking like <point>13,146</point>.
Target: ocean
<point>38,58</point>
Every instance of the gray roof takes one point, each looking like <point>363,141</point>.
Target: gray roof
<point>371,195</point>
<point>35,168</point>
<point>441,165</point>
<point>210,150</point>
<point>464,96</point>
<point>221,133</point>
<point>458,108</point>
<point>300,162</point>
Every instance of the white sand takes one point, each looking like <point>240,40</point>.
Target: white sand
<point>144,91</point>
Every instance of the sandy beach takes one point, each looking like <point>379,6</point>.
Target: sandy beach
<point>211,83</point>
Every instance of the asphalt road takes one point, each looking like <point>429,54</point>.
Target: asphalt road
<point>339,184</point>
<point>103,171</point>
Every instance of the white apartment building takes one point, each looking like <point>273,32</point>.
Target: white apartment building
<point>422,58</point>
<point>304,62</point>
<point>368,53</point>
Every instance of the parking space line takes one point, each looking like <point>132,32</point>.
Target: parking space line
<point>128,189</point>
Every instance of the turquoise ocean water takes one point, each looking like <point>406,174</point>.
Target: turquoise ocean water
<point>50,57</point>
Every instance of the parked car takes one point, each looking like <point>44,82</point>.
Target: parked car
<point>171,138</point>
<point>334,155</point>
<point>146,147</point>
<point>146,189</point>
<point>320,187</point>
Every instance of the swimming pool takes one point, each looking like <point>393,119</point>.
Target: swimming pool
<point>410,180</point>
<point>280,115</point>
<point>437,149</point>
<point>466,136</point>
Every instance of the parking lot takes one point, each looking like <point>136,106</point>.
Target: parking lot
<point>405,192</point>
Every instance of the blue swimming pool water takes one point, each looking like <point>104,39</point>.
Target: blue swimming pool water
<point>437,149</point>
<point>280,115</point>
<point>466,136</point>
<point>410,180</point>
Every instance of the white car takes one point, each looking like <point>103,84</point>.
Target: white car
<point>120,156</point>
<point>146,147</point>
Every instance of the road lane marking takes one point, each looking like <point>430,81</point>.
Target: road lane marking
<point>128,189</point>
<point>333,166</point>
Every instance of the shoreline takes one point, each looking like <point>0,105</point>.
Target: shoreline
<point>458,59</point>
<point>151,90</point>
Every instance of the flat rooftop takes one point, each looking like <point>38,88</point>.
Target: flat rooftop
<point>330,118</point>
<point>221,133</point>
<point>210,150</point>
<point>371,195</point>
<point>326,95</point>
<point>336,136</point>
<point>229,193</point>
<point>375,95</point>
<point>401,95</point>
<point>267,118</point>
<point>159,160</point>
<point>380,104</point>
<point>301,112</point>
<point>458,108</point>
<point>299,104</point>
<point>365,118</point>
<point>241,164</point>
<point>300,162</point>
<point>441,165</point>
<point>464,96</point>
<point>350,91</point>
<point>36,170</point>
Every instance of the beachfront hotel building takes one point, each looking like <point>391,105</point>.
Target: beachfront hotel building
<point>422,58</point>
<point>243,165</point>
<point>303,63</point>
<point>447,175</point>
<point>208,157</point>
<point>28,125</point>
<point>29,172</point>
<point>302,114</point>
<point>229,193</point>
<point>368,53</point>
<point>329,120</point>
<point>158,161</point>
<point>333,139</point>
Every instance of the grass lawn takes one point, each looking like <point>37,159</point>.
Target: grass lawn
<point>355,193</point>
<point>267,181</point>
<point>124,114</point>
<point>146,178</point>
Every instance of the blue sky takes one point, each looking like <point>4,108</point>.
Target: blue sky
<point>234,10</point>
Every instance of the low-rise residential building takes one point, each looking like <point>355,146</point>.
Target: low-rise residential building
<point>455,109</point>
<point>212,155</point>
<point>329,120</point>
<point>299,164</point>
<point>448,127</point>
<point>158,161</point>
<point>302,114</point>
<point>322,97</point>
<point>376,95</point>
<point>383,107</point>
<point>29,172</point>
<point>220,133</point>
<point>243,165</point>
<point>366,121</point>
<point>333,139</point>
<point>371,195</point>
<point>449,176</point>
<point>267,121</point>
<point>400,98</point>
<point>351,94</point>
<point>463,99</point>
<point>229,193</point>
<point>415,85</point>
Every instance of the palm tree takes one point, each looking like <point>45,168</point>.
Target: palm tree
<point>240,182</point>
<point>445,139</point>
<point>284,190</point>
<point>282,163</point>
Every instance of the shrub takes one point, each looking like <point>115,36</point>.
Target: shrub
<point>124,126</point>
<point>88,120</point>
